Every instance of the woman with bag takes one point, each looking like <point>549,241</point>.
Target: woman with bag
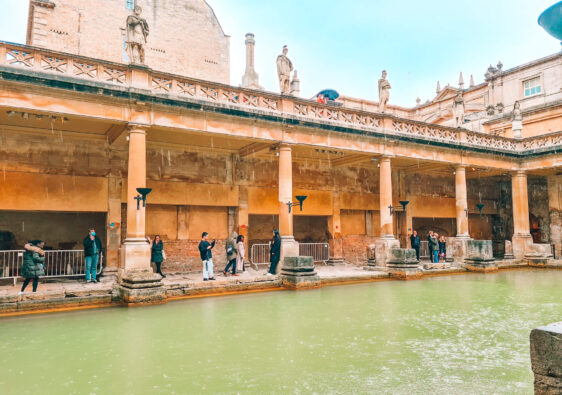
<point>33,264</point>
<point>241,253</point>
<point>157,255</point>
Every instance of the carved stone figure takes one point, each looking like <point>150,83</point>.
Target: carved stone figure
<point>516,120</point>
<point>284,68</point>
<point>137,32</point>
<point>384,92</point>
<point>458,110</point>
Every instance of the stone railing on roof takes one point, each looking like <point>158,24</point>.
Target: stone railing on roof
<point>100,71</point>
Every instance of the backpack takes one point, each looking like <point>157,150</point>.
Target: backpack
<point>229,249</point>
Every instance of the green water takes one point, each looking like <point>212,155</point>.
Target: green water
<point>448,335</point>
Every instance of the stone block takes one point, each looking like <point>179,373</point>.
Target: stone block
<point>141,287</point>
<point>299,273</point>
<point>546,358</point>
<point>480,256</point>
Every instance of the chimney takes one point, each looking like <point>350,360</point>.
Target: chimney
<point>250,78</point>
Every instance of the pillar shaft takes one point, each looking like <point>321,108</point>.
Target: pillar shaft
<point>386,198</point>
<point>461,202</point>
<point>136,178</point>
<point>520,204</point>
<point>250,45</point>
<point>285,190</point>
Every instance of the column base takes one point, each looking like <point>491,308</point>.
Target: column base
<point>521,244</point>
<point>141,288</point>
<point>298,273</point>
<point>333,261</point>
<point>460,249</point>
<point>289,248</point>
<point>379,254</point>
<point>135,255</point>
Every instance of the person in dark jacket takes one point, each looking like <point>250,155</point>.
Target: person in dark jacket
<point>231,253</point>
<point>430,245</point>
<point>92,251</point>
<point>434,243</point>
<point>207,256</point>
<point>274,253</point>
<point>415,243</point>
<point>33,264</point>
<point>157,254</point>
<point>442,248</point>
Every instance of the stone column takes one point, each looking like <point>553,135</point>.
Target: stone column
<point>387,231</point>
<point>461,203</point>
<point>113,226</point>
<point>522,239</point>
<point>135,252</point>
<point>334,227</point>
<point>289,247</point>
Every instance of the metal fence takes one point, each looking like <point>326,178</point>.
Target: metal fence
<point>424,249</point>
<point>59,263</point>
<point>320,252</point>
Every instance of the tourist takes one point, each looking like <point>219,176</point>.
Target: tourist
<point>33,264</point>
<point>231,254</point>
<point>207,256</point>
<point>415,243</point>
<point>430,245</point>
<point>435,247</point>
<point>241,253</point>
<point>157,254</point>
<point>92,250</point>
<point>274,253</point>
<point>442,248</point>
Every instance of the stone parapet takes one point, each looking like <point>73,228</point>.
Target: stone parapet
<point>546,359</point>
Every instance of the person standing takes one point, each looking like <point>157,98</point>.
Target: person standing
<point>430,245</point>
<point>207,256</point>
<point>435,247</point>
<point>442,248</point>
<point>241,253</point>
<point>33,264</point>
<point>231,254</point>
<point>157,254</point>
<point>415,243</point>
<point>274,253</point>
<point>92,250</point>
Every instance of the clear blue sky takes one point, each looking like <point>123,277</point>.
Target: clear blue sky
<point>345,44</point>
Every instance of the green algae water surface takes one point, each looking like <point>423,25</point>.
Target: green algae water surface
<point>448,335</point>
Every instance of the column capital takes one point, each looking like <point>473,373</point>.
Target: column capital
<point>137,127</point>
<point>285,146</point>
<point>460,167</point>
<point>386,158</point>
<point>519,173</point>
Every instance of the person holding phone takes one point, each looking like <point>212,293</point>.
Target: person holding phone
<point>207,256</point>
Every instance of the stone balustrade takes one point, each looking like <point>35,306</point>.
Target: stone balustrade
<point>64,64</point>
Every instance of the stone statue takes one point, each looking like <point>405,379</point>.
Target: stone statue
<point>517,120</point>
<point>137,32</point>
<point>458,110</point>
<point>384,92</point>
<point>284,68</point>
<point>516,113</point>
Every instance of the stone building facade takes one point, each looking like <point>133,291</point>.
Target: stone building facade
<point>75,146</point>
<point>185,36</point>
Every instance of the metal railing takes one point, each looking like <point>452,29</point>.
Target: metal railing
<point>320,252</point>
<point>58,263</point>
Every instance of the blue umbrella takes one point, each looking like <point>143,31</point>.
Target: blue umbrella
<point>330,94</point>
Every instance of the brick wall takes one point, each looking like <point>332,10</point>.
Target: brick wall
<point>183,256</point>
<point>185,36</point>
<point>355,248</point>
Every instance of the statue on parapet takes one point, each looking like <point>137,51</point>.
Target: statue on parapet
<point>384,92</point>
<point>137,32</point>
<point>458,110</point>
<point>284,68</point>
<point>516,113</point>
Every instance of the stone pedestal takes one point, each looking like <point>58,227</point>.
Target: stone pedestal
<point>508,253</point>
<point>289,248</point>
<point>459,248</point>
<point>403,264</point>
<point>480,256</point>
<point>539,255</point>
<point>517,127</point>
<point>381,251</point>
<point>138,284</point>
<point>298,272</point>
<point>333,261</point>
<point>546,359</point>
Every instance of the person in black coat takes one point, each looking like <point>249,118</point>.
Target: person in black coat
<point>92,251</point>
<point>415,243</point>
<point>157,254</point>
<point>274,253</point>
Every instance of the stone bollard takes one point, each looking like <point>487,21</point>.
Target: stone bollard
<point>480,256</point>
<point>298,272</point>
<point>546,359</point>
<point>404,264</point>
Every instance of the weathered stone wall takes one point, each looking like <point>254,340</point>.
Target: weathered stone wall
<point>546,359</point>
<point>555,210</point>
<point>539,209</point>
<point>185,36</point>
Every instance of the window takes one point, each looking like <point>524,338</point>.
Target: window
<point>131,4</point>
<point>532,87</point>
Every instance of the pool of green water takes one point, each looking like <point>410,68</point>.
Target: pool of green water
<point>447,335</point>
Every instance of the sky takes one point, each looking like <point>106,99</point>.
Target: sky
<point>344,45</point>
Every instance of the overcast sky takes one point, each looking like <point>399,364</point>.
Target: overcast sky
<point>344,45</point>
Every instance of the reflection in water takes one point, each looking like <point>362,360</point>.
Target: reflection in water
<point>460,334</point>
